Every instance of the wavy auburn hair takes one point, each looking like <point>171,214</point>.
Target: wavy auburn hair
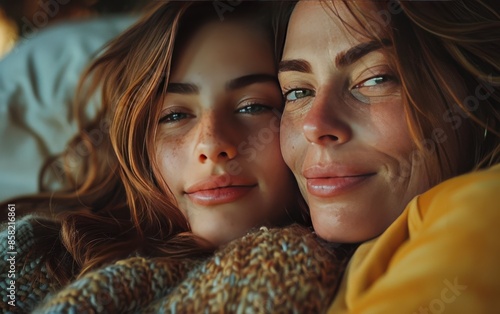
<point>116,202</point>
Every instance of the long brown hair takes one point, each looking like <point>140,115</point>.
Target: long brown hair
<point>454,123</point>
<point>464,36</point>
<point>116,202</point>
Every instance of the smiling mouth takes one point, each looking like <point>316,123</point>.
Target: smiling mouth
<point>334,186</point>
<point>220,195</point>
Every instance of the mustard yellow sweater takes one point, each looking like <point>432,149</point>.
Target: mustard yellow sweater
<point>442,255</point>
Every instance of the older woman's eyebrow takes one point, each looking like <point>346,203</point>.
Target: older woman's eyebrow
<point>183,88</point>
<point>357,52</point>
<point>296,65</point>
<point>246,80</point>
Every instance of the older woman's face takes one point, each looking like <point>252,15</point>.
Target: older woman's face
<point>344,133</point>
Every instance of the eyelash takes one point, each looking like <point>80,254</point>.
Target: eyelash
<point>378,76</point>
<point>288,91</point>
<point>168,116</point>
<point>261,106</point>
<point>386,78</point>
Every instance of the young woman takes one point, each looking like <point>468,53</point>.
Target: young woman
<point>386,101</point>
<point>191,161</point>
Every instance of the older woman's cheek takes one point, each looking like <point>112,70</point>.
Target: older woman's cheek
<point>290,138</point>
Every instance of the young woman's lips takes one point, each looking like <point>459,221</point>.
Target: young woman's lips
<point>221,195</point>
<point>329,187</point>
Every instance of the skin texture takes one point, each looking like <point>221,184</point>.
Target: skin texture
<point>352,155</point>
<point>221,129</point>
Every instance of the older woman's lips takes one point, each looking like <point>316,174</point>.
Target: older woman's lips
<point>220,195</point>
<point>334,186</point>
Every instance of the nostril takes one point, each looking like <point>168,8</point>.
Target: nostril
<point>203,157</point>
<point>328,138</point>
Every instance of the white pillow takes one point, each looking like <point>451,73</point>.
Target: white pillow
<point>37,84</point>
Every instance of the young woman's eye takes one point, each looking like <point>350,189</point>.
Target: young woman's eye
<point>253,109</point>
<point>297,94</point>
<point>174,117</point>
<point>375,88</point>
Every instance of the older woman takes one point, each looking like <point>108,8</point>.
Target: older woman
<point>387,106</point>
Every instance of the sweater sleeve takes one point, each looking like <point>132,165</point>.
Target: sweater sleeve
<point>19,293</point>
<point>441,256</point>
<point>127,286</point>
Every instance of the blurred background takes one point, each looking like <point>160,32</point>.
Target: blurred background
<point>45,45</point>
<point>23,18</point>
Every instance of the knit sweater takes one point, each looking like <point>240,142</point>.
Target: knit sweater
<point>19,293</point>
<point>285,270</point>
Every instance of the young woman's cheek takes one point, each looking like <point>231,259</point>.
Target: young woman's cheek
<point>171,153</point>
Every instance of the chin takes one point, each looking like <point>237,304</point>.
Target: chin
<point>345,233</point>
<point>328,234</point>
<point>328,225</point>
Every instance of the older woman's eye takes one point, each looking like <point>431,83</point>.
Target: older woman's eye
<point>297,94</point>
<point>374,81</point>
<point>375,88</point>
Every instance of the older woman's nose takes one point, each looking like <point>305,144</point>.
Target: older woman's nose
<point>323,122</point>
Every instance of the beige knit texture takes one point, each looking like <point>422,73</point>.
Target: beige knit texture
<point>284,270</point>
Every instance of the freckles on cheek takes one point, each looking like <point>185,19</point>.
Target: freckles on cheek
<point>169,156</point>
<point>289,142</point>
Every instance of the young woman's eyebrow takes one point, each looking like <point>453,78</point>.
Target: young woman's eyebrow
<point>357,52</point>
<point>246,80</point>
<point>183,88</point>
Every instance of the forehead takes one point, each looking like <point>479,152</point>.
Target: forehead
<point>221,46</point>
<point>331,25</point>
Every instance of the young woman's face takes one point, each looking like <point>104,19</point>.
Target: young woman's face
<point>344,133</point>
<point>218,139</point>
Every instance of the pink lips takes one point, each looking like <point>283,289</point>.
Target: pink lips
<point>219,190</point>
<point>333,181</point>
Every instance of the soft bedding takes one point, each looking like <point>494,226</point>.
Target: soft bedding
<point>37,84</point>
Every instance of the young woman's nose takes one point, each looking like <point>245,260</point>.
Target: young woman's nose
<point>323,124</point>
<point>215,142</point>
